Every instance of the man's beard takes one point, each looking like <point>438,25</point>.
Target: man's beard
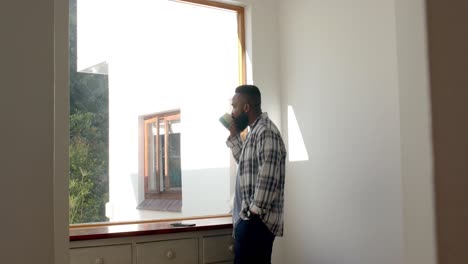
<point>241,122</point>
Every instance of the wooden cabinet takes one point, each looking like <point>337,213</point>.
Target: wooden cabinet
<point>218,248</point>
<point>115,254</point>
<point>181,251</point>
<point>199,247</point>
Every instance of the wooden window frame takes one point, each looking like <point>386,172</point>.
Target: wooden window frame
<point>156,118</point>
<point>240,30</point>
<point>242,80</point>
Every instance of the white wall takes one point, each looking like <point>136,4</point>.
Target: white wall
<point>416,154</point>
<point>28,199</point>
<point>168,70</point>
<point>262,53</point>
<point>343,67</point>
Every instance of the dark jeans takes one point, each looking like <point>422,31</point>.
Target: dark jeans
<point>253,242</point>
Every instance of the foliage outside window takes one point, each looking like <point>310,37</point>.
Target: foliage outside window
<point>88,150</point>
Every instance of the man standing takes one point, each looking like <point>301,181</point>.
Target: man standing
<point>259,194</point>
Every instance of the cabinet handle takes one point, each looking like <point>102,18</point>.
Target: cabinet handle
<point>99,260</point>
<point>170,254</point>
<point>231,248</point>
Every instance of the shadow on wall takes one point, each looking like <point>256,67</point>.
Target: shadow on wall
<point>297,150</point>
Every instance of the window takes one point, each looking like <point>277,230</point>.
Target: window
<point>163,174</point>
<point>148,82</point>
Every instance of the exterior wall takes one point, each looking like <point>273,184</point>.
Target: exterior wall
<point>144,79</point>
<point>210,175</point>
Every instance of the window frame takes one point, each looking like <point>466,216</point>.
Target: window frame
<point>240,29</point>
<point>242,66</point>
<point>156,118</point>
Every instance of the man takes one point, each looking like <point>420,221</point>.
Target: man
<point>258,205</point>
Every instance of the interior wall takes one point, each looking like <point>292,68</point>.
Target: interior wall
<point>339,74</point>
<point>335,57</point>
<point>27,131</point>
<point>61,134</point>
<point>415,118</point>
<point>448,55</point>
<point>262,48</point>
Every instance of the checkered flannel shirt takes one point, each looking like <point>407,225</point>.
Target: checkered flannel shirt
<point>261,172</point>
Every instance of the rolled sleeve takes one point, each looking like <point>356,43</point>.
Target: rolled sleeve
<point>235,144</point>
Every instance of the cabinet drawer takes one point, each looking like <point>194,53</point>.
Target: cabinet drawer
<point>118,254</point>
<point>182,251</point>
<point>218,249</point>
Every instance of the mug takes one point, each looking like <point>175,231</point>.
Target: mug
<point>226,120</point>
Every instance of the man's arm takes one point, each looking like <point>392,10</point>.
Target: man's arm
<point>234,142</point>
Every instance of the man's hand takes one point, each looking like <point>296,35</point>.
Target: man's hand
<point>233,130</point>
<point>251,214</point>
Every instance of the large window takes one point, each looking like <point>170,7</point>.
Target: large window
<point>148,82</point>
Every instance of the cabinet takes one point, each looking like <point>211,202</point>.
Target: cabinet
<point>181,251</point>
<point>218,248</point>
<point>116,254</point>
<point>198,247</point>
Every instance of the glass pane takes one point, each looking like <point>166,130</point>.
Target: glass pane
<point>174,170</point>
<point>162,155</point>
<point>165,56</point>
<point>151,156</point>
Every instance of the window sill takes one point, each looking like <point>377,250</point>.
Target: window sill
<point>142,229</point>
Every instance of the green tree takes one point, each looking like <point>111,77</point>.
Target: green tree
<point>88,168</point>
<point>88,149</point>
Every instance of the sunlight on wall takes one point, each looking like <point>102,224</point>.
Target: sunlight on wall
<point>297,149</point>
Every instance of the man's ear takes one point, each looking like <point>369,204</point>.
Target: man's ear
<point>246,108</point>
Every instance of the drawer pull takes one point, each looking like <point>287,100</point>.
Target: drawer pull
<point>231,248</point>
<point>99,260</point>
<point>170,254</point>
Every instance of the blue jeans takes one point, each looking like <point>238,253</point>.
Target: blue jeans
<point>253,242</point>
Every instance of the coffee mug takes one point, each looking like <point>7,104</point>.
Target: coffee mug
<point>226,120</point>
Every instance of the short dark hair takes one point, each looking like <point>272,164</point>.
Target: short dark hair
<point>252,94</point>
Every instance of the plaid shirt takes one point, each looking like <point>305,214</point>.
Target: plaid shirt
<point>261,172</point>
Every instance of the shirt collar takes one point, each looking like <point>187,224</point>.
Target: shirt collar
<point>263,115</point>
